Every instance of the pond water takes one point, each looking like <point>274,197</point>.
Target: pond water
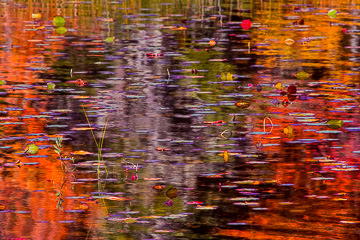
<point>179,119</point>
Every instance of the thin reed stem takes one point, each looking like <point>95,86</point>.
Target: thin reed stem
<point>88,121</point>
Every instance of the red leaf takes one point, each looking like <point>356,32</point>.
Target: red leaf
<point>246,24</point>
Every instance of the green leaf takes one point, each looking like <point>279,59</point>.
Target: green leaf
<point>223,76</point>
<point>32,149</point>
<point>335,123</point>
<point>110,39</point>
<point>58,21</point>
<point>61,30</point>
<point>51,86</point>
<point>332,13</point>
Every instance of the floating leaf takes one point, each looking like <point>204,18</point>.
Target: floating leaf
<point>116,198</point>
<point>291,89</point>
<point>32,149</point>
<point>110,39</point>
<point>242,104</point>
<point>199,207</point>
<point>226,156</point>
<point>51,86</point>
<point>130,220</point>
<point>172,193</point>
<point>178,28</point>
<point>158,187</point>
<point>169,202</point>
<point>246,24</point>
<point>279,86</point>
<point>288,131</point>
<point>302,75</point>
<point>212,43</point>
<point>332,13</point>
<point>81,152</point>
<point>289,42</point>
<point>61,30</point>
<point>223,76</point>
<point>36,15</point>
<point>226,76</point>
<point>335,123</point>
<point>58,21</point>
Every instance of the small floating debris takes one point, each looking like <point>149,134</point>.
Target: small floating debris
<point>195,203</point>
<point>81,152</point>
<point>116,198</point>
<point>210,207</point>
<point>163,231</point>
<point>345,169</point>
<point>123,220</point>
<point>153,179</point>
<point>242,104</point>
<point>246,203</point>
<point>237,224</point>
<point>286,203</point>
<point>66,221</point>
<point>350,222</point>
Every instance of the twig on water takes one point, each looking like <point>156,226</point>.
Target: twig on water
<point>264,124</point>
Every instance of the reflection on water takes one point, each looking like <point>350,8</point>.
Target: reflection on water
<point>253,135</point>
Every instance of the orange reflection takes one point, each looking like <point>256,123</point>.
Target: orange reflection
<point>28,199</point>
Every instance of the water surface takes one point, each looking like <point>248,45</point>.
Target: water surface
<point>211,130</point>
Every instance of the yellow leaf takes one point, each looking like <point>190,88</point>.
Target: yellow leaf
<point>229,76</point>
<point>286,131</point>
<point>36,15</point>
<point>290,131</point>
<point>279,86</point>
<point>226,156</point>
<point>223,76</point>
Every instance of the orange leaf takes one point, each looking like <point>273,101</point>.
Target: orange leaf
<point>81,152</point>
